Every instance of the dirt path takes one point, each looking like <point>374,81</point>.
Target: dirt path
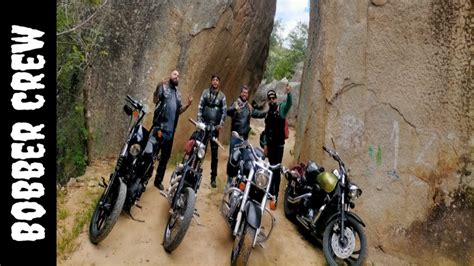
<point>208,240</point>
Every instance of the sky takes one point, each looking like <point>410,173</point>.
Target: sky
<point>290,12</point>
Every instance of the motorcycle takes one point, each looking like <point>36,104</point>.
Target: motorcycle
<point>129,179</point>
<point>244,200</point>
<point>320,201</point>
<point>184,184</point>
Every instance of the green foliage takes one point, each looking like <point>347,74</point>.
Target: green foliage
<point>76,42</point>
<point>281,60</point>
<point>66,242</point>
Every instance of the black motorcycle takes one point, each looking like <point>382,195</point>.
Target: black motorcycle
<point>184,184</point>
<point>320,201</point>
<point>129,179</point>
<point>244,201</point>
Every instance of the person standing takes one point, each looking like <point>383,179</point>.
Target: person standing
<point>168,107</point>
<point>274,139</point>
<point>212,111</point>
<point>240,111</point>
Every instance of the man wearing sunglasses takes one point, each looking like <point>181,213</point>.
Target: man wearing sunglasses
<point>274,138</point>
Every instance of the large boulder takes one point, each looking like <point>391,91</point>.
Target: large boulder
<point>143,41</point>
<point>388,81</point>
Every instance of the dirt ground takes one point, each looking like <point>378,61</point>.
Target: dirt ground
<point>208,240</point>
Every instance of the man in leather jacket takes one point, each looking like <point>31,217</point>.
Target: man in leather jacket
<point>165,118</point>
<point>212,111</point>
<point>274,139</point>
<point>240,111</point>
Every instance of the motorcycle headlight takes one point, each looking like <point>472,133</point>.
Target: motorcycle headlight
<point>354,192</point>
<point>201,150</point>
<point>261,178</point>
<point>135,149</point>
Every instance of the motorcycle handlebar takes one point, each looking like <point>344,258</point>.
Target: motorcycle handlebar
<point>218,143</point>
<point>274,167</point>
<point>330,152</point>
<point>207,127</point>
<point>134,102</point>
<point>334,155</point>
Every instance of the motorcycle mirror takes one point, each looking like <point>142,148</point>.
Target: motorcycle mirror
<point>128,110</point>
<point>333,144</point>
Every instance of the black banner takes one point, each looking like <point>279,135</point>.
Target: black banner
<point>28,189</point>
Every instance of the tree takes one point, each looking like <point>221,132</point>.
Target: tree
<point>282,61</point>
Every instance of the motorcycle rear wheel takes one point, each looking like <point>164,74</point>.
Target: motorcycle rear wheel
<point>107,211</point>
<point>179,221</point>
<point>242,246</point>
<point>353,229</point>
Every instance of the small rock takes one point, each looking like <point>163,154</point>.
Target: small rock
<point>92,184</point>
<point>379,187</point>
<point>72,182</point>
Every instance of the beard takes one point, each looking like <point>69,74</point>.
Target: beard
<point>174,83</point>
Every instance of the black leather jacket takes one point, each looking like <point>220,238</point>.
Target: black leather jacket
<point>212,108</point>
<point>241,119</point>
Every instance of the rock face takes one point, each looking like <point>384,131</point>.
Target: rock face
<point>143,42</point>
<point>389,82</point>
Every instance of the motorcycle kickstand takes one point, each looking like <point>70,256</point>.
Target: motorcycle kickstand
<point>103,183</point>
<point>133,218</point>
<point>196,214</point>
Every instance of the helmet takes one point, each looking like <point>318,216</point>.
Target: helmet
<point>327,181</point>
<point>312,171</point>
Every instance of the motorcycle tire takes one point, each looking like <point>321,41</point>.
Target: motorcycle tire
<point>173,236</point>
<point>357,230</point>
<point>289,208</point>
<point>102,223</point>
<point>242,246</point>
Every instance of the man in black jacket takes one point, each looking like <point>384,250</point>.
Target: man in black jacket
<point>212,111</point>
<point>274,139</point>
<point>240,112</point>
<point>165,118</point>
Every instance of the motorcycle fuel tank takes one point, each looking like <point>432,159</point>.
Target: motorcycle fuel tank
<point>327,181</point>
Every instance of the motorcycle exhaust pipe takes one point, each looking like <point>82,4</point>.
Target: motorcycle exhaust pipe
<point>299,198</point>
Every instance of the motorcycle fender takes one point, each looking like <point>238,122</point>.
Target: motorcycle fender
<point>349,214</point>
<point>253,215</point>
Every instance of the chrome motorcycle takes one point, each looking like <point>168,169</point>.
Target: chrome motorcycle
<point>321,202</point>
<point>184,184</point>
<point>245,198</point>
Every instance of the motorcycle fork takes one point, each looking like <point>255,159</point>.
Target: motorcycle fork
<point>243,203</point>
<point>343,217</point>
<point>179,189</point>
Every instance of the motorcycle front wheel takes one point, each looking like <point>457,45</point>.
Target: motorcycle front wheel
<point>242,246</point>
<point>353,247</point>
<point>179,220</point>
<point>107,211</point>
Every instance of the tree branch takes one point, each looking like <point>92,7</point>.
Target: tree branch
<point>84,22</point>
